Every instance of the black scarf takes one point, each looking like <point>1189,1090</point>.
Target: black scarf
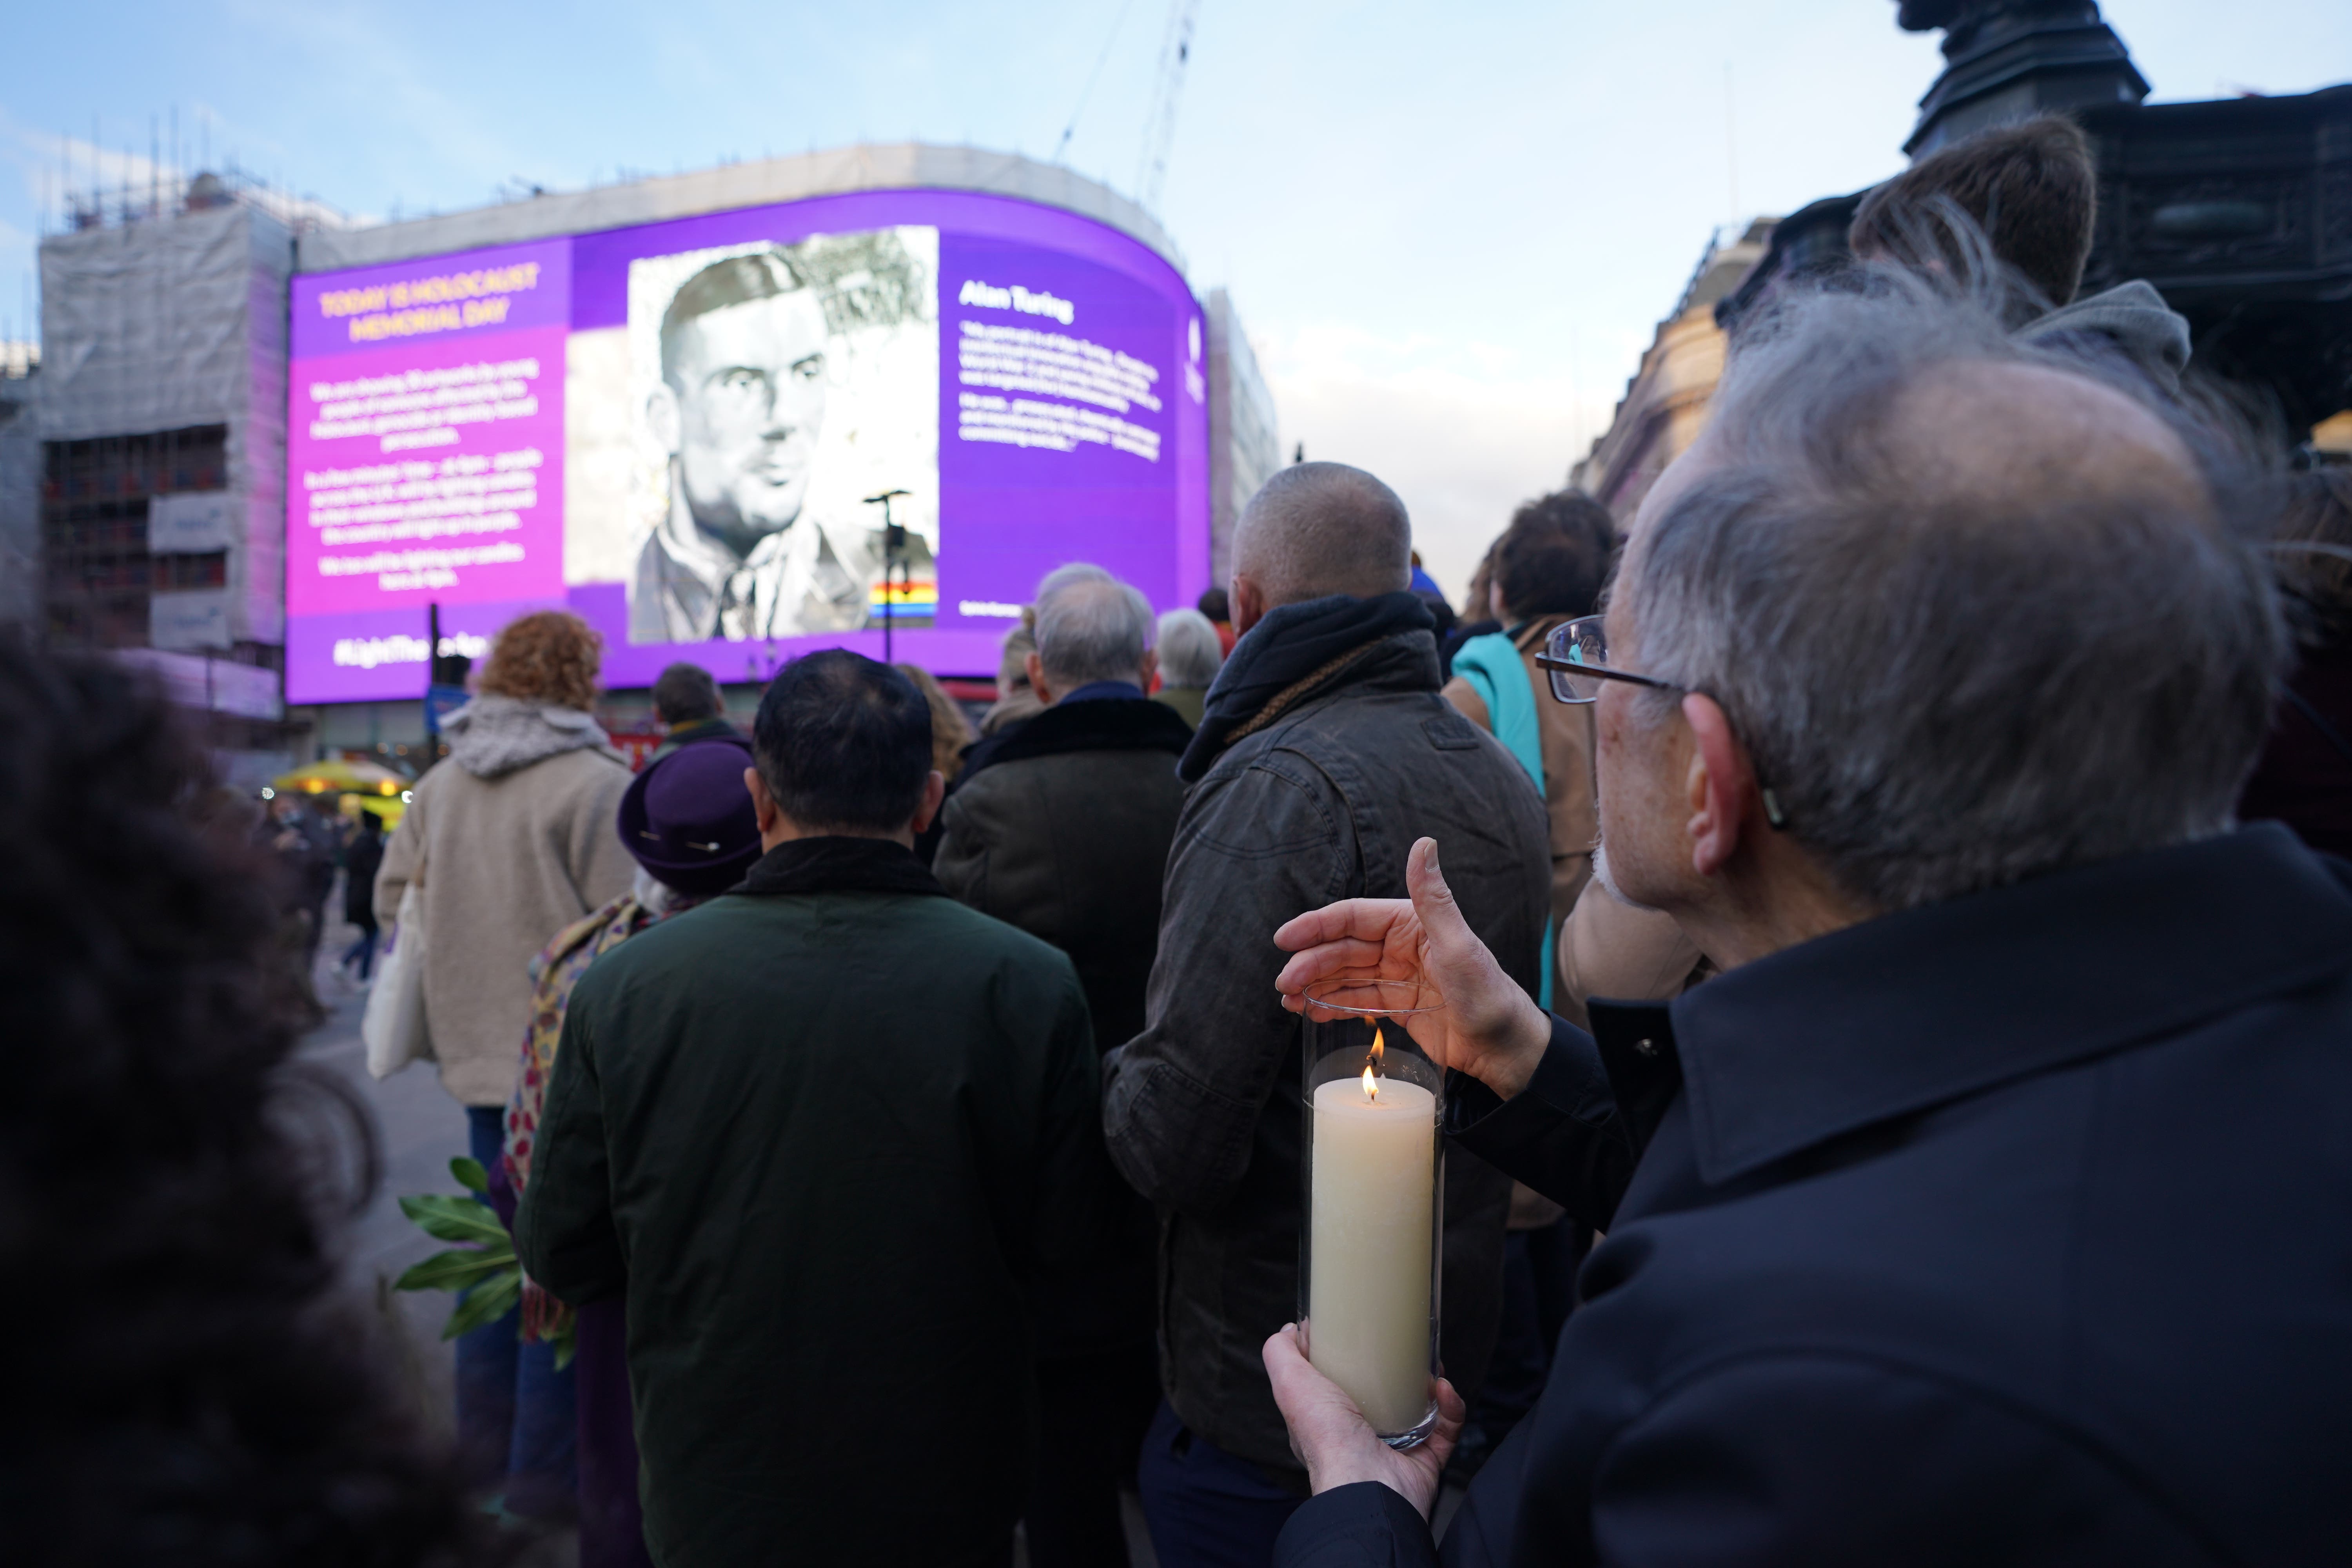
<point>1108,724</point>
<point>1290,645</point>
<point>828,865</point>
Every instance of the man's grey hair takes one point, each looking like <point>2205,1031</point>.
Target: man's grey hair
<point>1316,528</point>
<point>1190,653</point>
<point>1090,627</point>
<point>1950,680</point>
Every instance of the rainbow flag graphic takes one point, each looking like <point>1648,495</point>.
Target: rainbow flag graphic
<point>904,599</point>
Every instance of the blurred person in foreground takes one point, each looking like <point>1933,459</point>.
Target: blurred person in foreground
<point>1547,568</point>
<point>688,703</point>
<point>1061,827</point>
<point>1325,747</point>
<point>2304,777</point>
<point>510,840</point>
<point>825,1133</point>
<point>185,1381</point>
<point>687,821</point>
<point>1896,686</point>
<point>1191,654</point>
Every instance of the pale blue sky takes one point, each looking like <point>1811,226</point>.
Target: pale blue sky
<point>1450,228</point>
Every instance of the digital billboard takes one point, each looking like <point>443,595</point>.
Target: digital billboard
<point>678,431</point>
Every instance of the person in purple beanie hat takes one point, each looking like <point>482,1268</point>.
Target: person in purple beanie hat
<point>689,821</point>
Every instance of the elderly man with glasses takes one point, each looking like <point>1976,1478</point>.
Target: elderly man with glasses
<point>1990,1205</point>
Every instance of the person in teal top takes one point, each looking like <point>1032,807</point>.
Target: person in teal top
<point>1547,568</point>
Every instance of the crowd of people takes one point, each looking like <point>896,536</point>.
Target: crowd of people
<point>1877,912</point>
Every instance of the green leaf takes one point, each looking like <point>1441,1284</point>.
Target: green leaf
<point>567,1341</point>
<point>487,1303</point>
<point>454,1270</point>
<point>471,1175</point>
<point>446,1218</point>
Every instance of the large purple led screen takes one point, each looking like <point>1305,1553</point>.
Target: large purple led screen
<point>677,431</point>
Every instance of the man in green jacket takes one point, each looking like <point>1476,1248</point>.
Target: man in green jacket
<point>827,1131</point>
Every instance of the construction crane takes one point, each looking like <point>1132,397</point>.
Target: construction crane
<point>1168,82</point>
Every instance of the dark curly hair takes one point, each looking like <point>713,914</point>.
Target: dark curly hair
<point>186,1383</point>
<point>1554,556</point>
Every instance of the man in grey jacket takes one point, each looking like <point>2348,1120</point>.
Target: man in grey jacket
<point>1323,752</point>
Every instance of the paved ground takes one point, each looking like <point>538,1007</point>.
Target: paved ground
<point>419,1130</point>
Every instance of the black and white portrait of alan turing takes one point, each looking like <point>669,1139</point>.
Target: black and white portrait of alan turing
<point>788,382</point>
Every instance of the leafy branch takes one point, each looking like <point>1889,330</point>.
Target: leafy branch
<point>481,1267</point>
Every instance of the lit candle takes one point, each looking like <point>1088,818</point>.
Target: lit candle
<point>1368,1261</point>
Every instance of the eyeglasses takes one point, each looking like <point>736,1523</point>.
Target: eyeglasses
<point>1577,655</point>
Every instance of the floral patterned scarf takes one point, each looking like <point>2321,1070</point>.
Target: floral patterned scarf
<point>553,974</point>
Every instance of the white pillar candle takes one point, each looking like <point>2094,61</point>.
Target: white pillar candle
<point>1368,1256</point>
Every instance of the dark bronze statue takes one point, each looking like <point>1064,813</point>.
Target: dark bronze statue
<point>1963,19</point>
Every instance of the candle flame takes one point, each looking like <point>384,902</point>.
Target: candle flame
<point>1379,1046</point>
<point>1371,1085</point>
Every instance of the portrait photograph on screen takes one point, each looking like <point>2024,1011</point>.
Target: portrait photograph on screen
<point>758,396</point>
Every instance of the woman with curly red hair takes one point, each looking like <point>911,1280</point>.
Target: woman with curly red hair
<point>507,843</point>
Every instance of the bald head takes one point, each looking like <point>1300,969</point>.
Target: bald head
<point>1317,529</point>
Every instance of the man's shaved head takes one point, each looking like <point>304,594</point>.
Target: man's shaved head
<point>1316,528</point>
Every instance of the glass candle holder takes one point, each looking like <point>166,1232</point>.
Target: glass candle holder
<point>1371,1244</point>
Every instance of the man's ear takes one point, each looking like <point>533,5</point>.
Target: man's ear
<point>1246,602</point>
<point>1151,670</point>
<point>764,805</point>
<point>935,790</point>
<point>661,416</point>
<point>1722,786</point>
<point>1035,665</point>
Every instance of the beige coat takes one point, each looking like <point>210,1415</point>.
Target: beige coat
<point>505,857</point>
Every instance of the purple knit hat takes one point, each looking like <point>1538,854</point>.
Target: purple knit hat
<point>687,818</point>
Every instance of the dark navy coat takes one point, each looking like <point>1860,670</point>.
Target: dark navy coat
<point>2015,1229</point>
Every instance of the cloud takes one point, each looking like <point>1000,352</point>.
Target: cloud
<point>1465,431</point>
<point>50,164</point>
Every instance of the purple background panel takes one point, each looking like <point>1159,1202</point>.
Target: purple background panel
<point>1008,515</point>
<point>328,658</point>
<point>540,536</point>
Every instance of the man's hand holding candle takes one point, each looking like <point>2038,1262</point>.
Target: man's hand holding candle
<point>1484,1024</point>
<point>1336,1444</point>
<point>1478,1021</point>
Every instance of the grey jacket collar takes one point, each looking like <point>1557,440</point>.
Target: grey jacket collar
<point>492,736</point>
